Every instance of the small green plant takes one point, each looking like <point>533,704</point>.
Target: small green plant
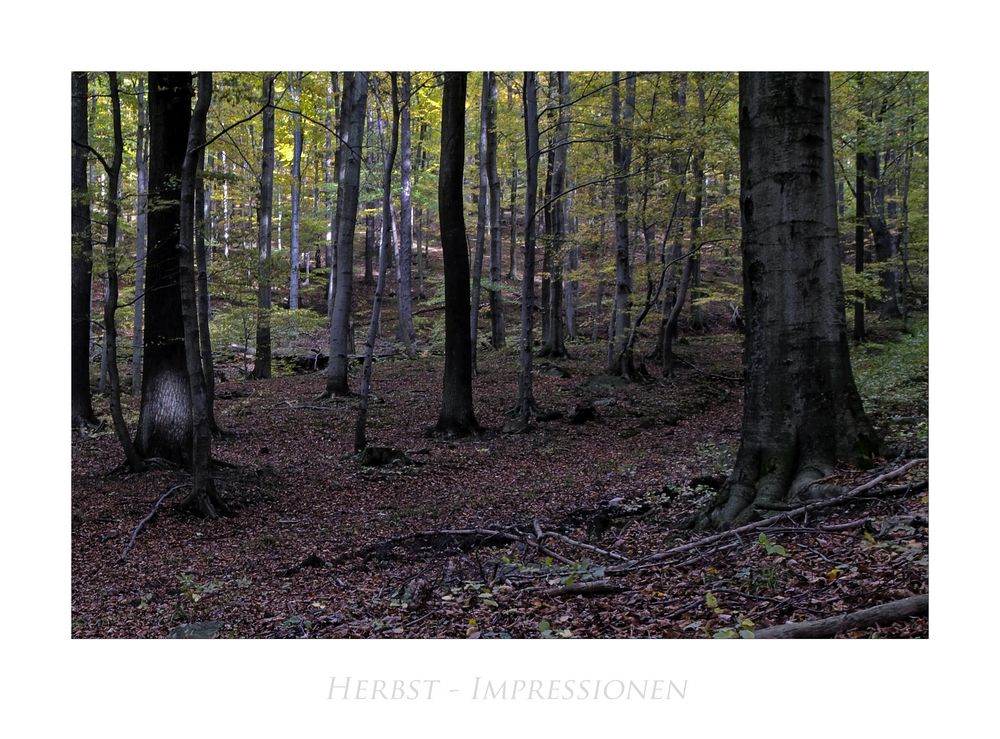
<point>547,632</point>
<point>768,546</point>
<point>743,629</point>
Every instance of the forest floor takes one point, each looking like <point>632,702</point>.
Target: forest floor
<point>321,546</point>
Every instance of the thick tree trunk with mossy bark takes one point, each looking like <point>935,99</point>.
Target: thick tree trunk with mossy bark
<point>801,411</point>
<point>82,410</point>
<point>457,416</point>
<point>165,413</point>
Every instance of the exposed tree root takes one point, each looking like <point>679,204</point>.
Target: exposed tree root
<point>149,517</point>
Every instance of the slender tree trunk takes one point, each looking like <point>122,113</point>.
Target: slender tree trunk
<point>481,216</point>
<point>512,272</point>
<point>404,259</point>
<point>859,243</point>
<point>497,328</point>
<point>142,189</point>
<point>457,416</point>
<point>225,207</point>
<point>82,410</point>
<point>556,345</point>
<point>691,264</point>
<point>165,413</point>
<point>360,439</point>
<point>113,170</point>
<point>262,359</point>
<point>621,121</point>
<point>348,179</point>
<point>202,294</point>
<point>204,499</point>
<point>801,412</point>
<point>295,80</point>
<point>526,405</point>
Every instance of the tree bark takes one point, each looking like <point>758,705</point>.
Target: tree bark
<point>457,416</point>
<point>360,440</point>
<point>262,359</point>
<point>497,328</point>
<point>293,285</point>
<point>859,243</point>
<point>204,499</point>
<point>481,217</point>
<point>82,411</point>
<point>112,208</point>
<point>621,120</point>
<point>404,260</point>
<point>348,179</point>
<point>142,189</point>
<point>201,254</point>
<point>886,613</point>
<point>165,413</point>
<point>555,346</point>
<point>801,412</point>
<point>526,405</point>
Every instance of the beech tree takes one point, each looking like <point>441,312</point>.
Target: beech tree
<point>497,328</point>
<point>525,392</point>
<point>801,410</point>
<point>262,360</point>
<point>457,416</point>
<point>203,499</point>
<point>348,178</point>
<point>405,249</point>
<point>621,362</point>
<point>82,410</point>
<point>140,235</point>
<point>165,413</point>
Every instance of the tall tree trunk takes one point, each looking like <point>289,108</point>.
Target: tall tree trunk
<point>556,344</point>
<point>201,254</point>
<point>481,216</point>
<point>457,416</point>
<point>859,242</point>
<point>621,121</point>
<point>82,411</point>
<point>526,405</point>
<point>262,359</point>
<point>404,288</point>
<point>295,80</point>
<point>692,263</point>
<point>113,170</point>
<point>142,189</point>
<point>348,179</point>
<point>204,499</point>
<point>801,411</point>
<point>360,439</point>
<point>497,328</point>
<point>165,413</point>
<point>512,272</point>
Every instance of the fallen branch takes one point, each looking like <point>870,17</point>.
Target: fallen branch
<point>602,587</point>
<point>149,517</point>
<point>886,613</point>
<point>765,522</point>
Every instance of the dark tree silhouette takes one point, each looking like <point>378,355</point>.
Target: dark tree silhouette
<point>457,416</point>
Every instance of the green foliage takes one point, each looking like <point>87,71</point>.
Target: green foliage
<point>892,379</point>
<point>768,546</point>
